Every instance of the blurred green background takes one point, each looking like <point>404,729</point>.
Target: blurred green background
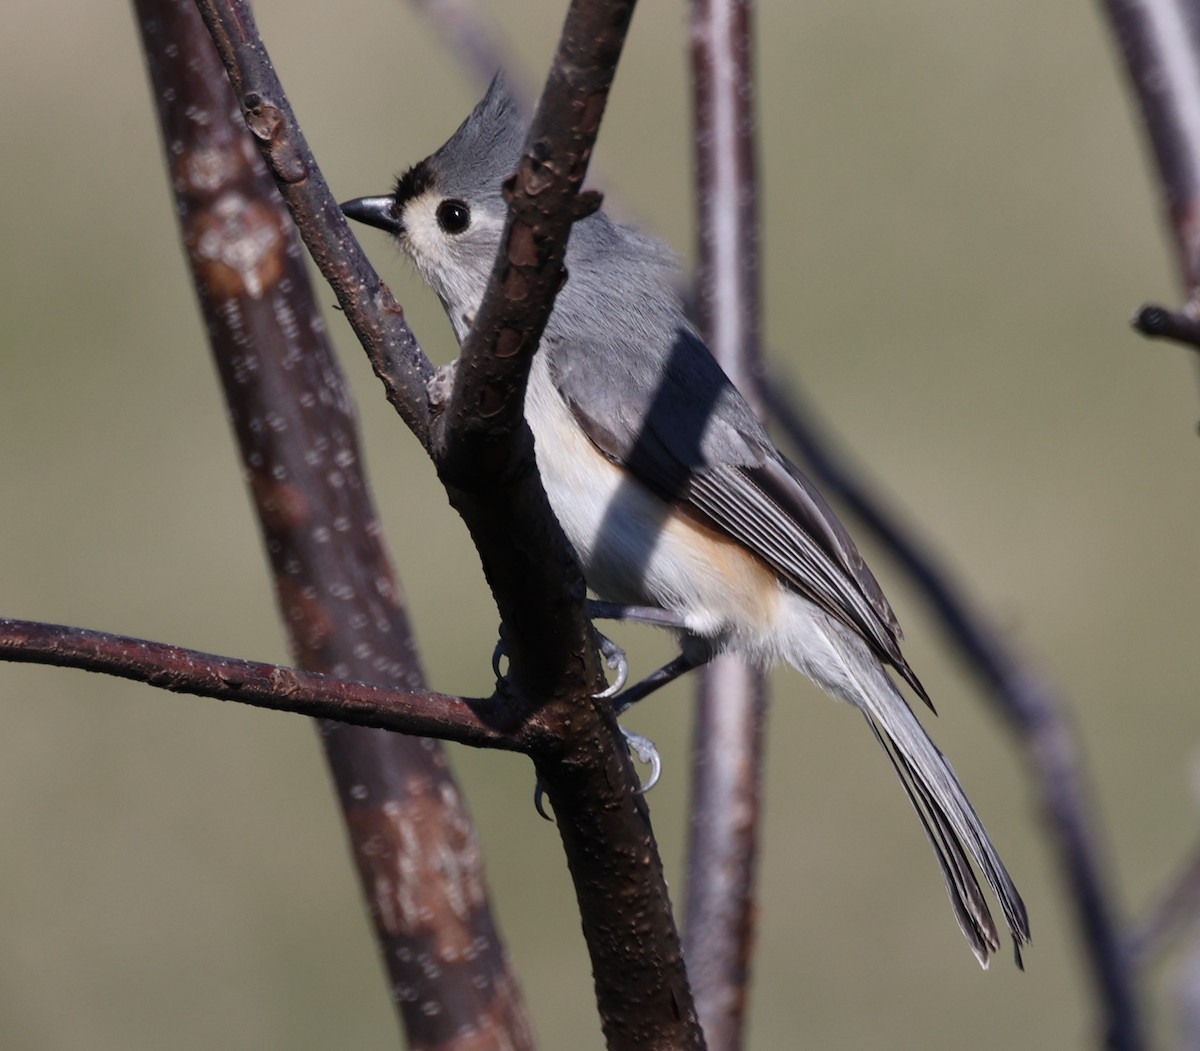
<point>958,222</point>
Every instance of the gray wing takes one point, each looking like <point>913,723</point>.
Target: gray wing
<point>679,425</point>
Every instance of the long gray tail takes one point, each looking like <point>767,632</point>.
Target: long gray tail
<point>951,824</point>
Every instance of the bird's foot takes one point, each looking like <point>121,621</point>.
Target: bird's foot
<point>646,752</point>
<point>614,660</point>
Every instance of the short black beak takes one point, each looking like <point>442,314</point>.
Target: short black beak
<point>379,212</point>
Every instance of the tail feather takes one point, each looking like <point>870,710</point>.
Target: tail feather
<point>950,822</point>
<point>970,907</point>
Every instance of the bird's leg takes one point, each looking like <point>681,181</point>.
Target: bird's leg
<point>662,618</point>
<point>669,672</point>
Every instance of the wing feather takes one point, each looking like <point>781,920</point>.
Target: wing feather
<point>680,426</point>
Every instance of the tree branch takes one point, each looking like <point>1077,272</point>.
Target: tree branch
<point>410,835</point>
<point>1177,905</point>
<point>728,747</point>
<point>1159,44</point>
<point>481,723</point>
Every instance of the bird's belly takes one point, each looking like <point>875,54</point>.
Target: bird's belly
<point>637,548</point>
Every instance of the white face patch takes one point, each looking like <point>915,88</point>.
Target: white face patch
<point>456,266</point>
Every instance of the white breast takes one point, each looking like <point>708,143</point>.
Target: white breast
<point>635,547</point>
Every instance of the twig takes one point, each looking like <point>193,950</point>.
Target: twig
<point>419,863</point>
<point>1028,705</point>
<point>1158,322</point>
<point>727,755</point>
<point>479,723</point>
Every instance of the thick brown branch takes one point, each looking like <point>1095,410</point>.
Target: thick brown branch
<point>407,825</point>
<point>484,454</point>
<point>482,447</point>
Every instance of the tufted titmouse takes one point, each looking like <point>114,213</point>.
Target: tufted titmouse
<point>669,488</point>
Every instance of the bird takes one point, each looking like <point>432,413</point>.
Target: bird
<point>669,489</point>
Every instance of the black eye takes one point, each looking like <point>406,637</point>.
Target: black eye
<point>453,216</point>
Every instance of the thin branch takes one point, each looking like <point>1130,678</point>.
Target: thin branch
<point>373,313</point>
<point>479,723</point>
<point>1158,42</point>
<point>410,836</point>
<point>1187,998</point>
<point>1176,906</point>
<point>1027,703</point>
<point>728,751</point>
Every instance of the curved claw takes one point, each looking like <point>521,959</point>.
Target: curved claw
<point>647,753</point>
<point>614,658</point>
<point>642,747</point>
<point>498,653</point>
<point>539,797</point>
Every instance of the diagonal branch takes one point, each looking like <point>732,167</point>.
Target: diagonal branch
<point>481,439</point>
<point>373,313</point>
<point>1030,706</point>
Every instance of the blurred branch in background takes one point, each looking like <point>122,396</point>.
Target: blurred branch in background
<point>728,746</point>
<point>1158,42</point>
<point>1026,702</point>
<point>472,39</point>
<point>414,846</point>
<point>1177,907</point>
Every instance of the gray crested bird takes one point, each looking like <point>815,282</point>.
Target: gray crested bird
<point>668,487</point>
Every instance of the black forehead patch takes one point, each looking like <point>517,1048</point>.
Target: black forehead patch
<point>413,183</point>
